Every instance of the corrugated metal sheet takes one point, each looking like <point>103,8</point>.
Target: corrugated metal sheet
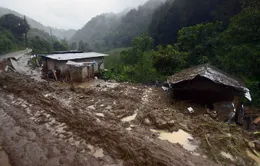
<point>71,56</point>
<point>210,73</point>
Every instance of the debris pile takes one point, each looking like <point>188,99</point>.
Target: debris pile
<point>119,124</point>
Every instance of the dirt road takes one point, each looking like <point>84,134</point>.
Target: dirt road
<point>43,124</point>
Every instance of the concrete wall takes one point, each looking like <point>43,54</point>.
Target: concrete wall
<point>80,74</point>
<point>61,65</point>
<point>98,60</point>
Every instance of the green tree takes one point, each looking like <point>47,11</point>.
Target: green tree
<point>73,46</point>
<point>40,45</point>
<point>168,60</point>
<point>83,46</point>
<point>199,42</point>
<point>140,44</point>
<point>60,45</point>
<point>241,44</point>
<point>16,25</point>
<point>137,63</point>
<point>7,41</point>
<point>143,42</point>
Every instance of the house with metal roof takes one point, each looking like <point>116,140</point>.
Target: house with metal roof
<point>65,65</point>
<point>206,84</point>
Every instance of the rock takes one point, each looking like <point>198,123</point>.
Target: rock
<point>109,107</point>
<point>251,144</point>
<point>147,121</point>
<point>180,116</point>
<point>92,107</point>
<point>161,124</point>
<point>257,145</point>
<point>171,123</point>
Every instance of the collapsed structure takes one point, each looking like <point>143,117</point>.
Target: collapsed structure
<point>73,66</point>
<point>206,84</point>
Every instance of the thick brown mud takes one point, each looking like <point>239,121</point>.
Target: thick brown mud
<point>30,111</point>
<point>102,123</point>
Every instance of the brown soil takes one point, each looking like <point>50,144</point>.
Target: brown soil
<point>47,124</point>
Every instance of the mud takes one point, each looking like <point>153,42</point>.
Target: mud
<point>4,159</point>
<point>52,131</point>
<point>103,123</point>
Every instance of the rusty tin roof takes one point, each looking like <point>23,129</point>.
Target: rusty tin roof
<point>210,72</point>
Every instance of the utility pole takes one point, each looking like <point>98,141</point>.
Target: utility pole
<point>51,40</point>
<point>26,31</point>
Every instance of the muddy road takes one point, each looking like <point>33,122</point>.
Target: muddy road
<point>42,124</point>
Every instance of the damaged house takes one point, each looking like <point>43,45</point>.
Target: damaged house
<point>206,84</point>
<point>73,66</point>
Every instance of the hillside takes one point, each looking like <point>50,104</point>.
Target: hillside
<point>176,14</point>
<point>60,33</point>
<point>96,30</point>
<point>108,31</point>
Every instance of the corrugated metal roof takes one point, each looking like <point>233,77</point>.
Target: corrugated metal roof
<point>71,56</point>
<point>210,73</point>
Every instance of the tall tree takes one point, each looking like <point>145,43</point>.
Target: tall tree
<point>15,24</point>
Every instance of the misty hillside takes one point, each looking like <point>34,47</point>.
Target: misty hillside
<point>108,31</point>
<point>176,14</point>
<point>60,33</point>
<point>97,29</point>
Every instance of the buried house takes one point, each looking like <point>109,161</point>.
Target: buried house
<point>206,84</point>
<point>73,66</point>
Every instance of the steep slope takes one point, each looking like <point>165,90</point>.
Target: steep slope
<point>176,14</point>
<point>96,30</point>
<point>134,23</point>
<point>108,31</point>
<point>60,33</point>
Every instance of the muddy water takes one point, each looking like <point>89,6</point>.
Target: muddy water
<point>180,137</point>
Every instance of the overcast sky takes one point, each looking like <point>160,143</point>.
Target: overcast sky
<point>67,14</point>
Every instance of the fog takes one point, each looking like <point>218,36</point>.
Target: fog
<point>67,14</point>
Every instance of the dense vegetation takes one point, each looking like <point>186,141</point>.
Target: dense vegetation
<point>108,31</point>
<point>60,33</point>
<point>13,32</point>
<point>175,14</point>
<point>233,46</point>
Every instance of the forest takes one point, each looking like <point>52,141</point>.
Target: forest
<point>16,34</point>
